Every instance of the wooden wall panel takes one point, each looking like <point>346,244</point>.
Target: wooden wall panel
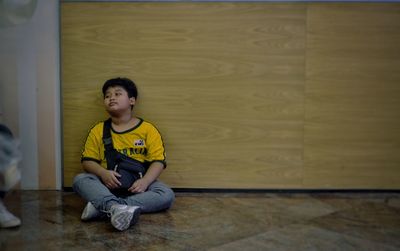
<point>224,82</point>
<point>247,95</point>
<point>352,122</point>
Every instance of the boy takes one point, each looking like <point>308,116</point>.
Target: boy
<point>136,139</point>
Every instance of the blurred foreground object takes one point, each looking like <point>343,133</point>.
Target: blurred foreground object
<point>14,12</point>
<point>7,219</point>
<point>9,177</point>
<point>9,157</point>
<point>9,174</point>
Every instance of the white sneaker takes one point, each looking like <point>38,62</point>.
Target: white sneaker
<point>7,219</point>
<point>90,212</point>
<point>123,216</point>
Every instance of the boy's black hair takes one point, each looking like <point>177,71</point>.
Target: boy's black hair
<point>125,83</point>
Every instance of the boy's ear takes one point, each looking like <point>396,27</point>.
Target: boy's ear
<point>132,100</point>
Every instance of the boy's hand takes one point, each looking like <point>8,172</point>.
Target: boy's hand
<point>139,186</point>
<point>110,179</point>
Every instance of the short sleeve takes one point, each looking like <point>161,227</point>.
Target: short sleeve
<point>92,147</point>
<point>155,147</point>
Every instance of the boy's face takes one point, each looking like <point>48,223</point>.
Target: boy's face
<point>117,99</point>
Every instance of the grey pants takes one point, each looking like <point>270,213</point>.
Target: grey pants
<point>158,196</point>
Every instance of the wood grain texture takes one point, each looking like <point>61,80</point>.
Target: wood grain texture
<point>352,121</point>
<point>223,82</point>
<point>246,95</point>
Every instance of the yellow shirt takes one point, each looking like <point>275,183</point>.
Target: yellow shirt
<point>142,142</point>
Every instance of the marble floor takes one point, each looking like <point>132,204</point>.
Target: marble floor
<point>213,221</point>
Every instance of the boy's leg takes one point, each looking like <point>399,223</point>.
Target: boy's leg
<point>158,197</point>
<point>90,187</point>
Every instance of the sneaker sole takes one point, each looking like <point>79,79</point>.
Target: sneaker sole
<point>124,220</point>
<point>11,224</point>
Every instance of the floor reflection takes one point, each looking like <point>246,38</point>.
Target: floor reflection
<point>213,221</point>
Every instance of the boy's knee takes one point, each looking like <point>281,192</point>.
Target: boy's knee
<point>169,196</point>
<point>78,179</point>
<point>166,195</point>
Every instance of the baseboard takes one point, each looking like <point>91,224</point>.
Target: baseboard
<point>291,190</point>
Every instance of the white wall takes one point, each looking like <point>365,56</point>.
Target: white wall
<point>30,89</point>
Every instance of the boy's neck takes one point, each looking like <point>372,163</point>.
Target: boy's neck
<point>123,119</point>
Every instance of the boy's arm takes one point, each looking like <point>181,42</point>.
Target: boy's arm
<point>151,175</point>
<point>109,177</point>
